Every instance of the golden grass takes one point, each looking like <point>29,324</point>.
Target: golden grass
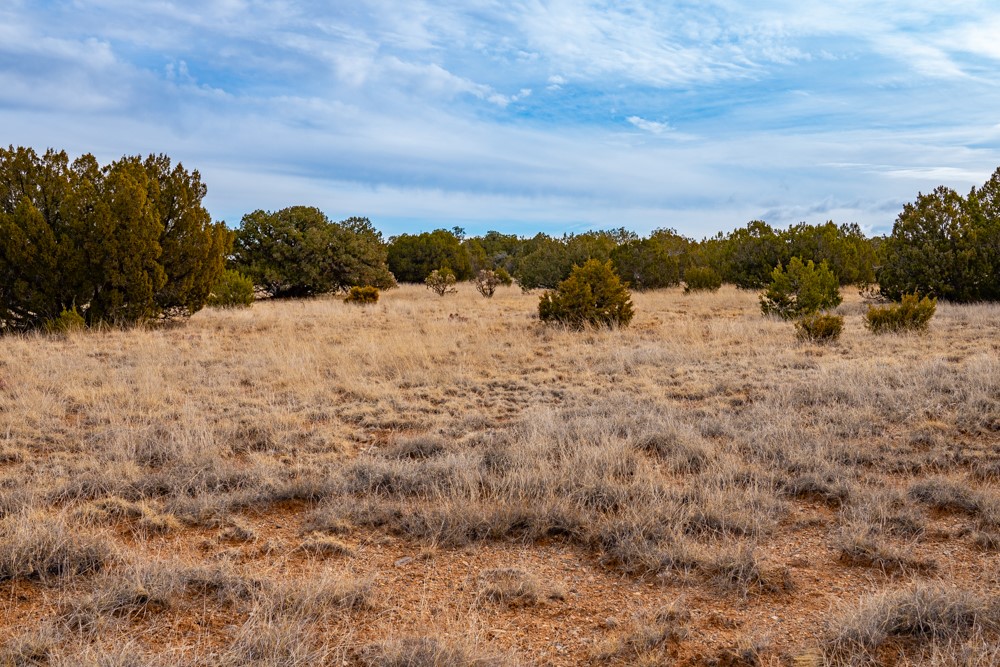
<point>274,462</point>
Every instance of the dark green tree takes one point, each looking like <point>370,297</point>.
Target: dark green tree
<point>659,261</point>
<point>298,252</point>
<point>985,205</point>
<point>194,248</point>
<point>492,251</point>
<point>543,262</point>
<point>939,247</point>
<point>79,237</point>
<point>749,255</point>
<point>845,249</point>
<point>412,257</point>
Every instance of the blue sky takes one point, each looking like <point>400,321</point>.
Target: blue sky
<point>522,115</point>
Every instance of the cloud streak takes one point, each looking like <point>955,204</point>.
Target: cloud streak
<point>528,115</point>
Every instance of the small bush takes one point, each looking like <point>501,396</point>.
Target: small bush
<point>233,290</point>
<point>800,289</point>
<point>593,294</point>
<point>441,281</point>
<point>702,278</point>
<point>819,328</point>
<point>362,295</point>
<point>68,320</point>
<point>911,314</point>
<point>487,281</point>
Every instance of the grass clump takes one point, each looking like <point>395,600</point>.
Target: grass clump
<point>740,571</point>
<point>819,328</point>
<point>424,652</point>
<point>593,294</point>
<point>914,616</point>
<point>511,587</point>
<point>46,549</point>
<point>362,296</point>
<point>910,314</point>
<point>648,639</point>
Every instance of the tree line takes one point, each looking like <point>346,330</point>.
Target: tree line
<point>130,241</point>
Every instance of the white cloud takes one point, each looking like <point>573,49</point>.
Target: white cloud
<point>423,111</point>
<point>652,126</point>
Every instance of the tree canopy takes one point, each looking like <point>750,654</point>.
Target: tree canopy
<point>412,257</point>
<point>120,243</point>
<point>945,245</point>
<point>298,251</point>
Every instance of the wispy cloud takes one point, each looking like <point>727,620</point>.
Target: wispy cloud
<point>531,114</point>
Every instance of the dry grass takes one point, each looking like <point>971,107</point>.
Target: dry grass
<point>251,487</point>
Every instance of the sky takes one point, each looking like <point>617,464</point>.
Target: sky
<point>522,116</point>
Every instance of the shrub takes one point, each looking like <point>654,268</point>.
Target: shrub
<point>702,278</point>
<point>441,281</point>
<point>801,289</point>
<point>593,294</point>
<point>362,295</point>
<point>487,282</point>
<point>819,328</point>
<point>232,290</point>
<point>911,314</point>
<point>68,320</point>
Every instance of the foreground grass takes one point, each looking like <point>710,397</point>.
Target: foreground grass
<point>314,483</point>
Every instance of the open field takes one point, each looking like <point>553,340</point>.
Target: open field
<point>445,481</point>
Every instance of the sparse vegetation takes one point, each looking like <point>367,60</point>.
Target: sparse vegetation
<point>306,483</point>
<point>911,314</point>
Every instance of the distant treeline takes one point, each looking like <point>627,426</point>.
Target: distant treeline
<point>130,241</point>
<point>745,257</point>
<point>942,245</point>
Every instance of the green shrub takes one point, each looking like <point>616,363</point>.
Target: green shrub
<point>911,314</point>
<point>362,295</point>
<point>441,281</point>
<point>68,320</point>
<point>819,328</point>
<point>593,294</point>
<point>801,289</point>
<point>702,278</point>
<point>232,290</point>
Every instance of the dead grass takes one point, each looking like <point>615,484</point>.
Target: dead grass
<point>259,474</point>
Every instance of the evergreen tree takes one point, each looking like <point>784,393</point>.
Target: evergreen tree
<point>298,252</point>
<point>412,257</point>
<point>101,241</point>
